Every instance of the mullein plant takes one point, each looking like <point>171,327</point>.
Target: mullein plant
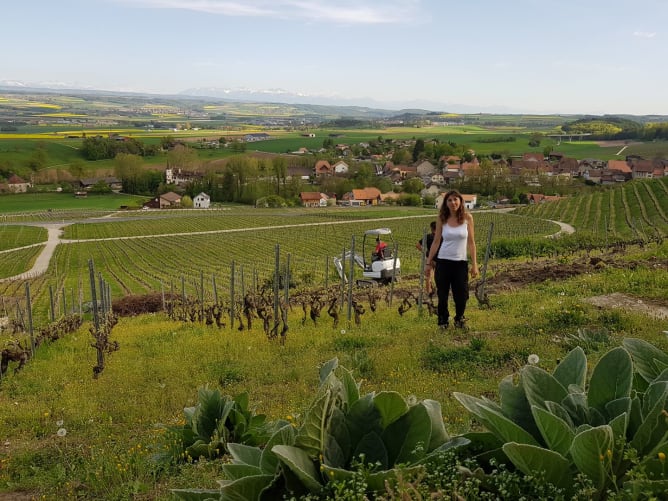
<point>612,429</point>
<point>382,435</point>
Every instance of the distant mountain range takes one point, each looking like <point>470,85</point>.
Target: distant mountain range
<point>265,95</point>
<point>284,96</point>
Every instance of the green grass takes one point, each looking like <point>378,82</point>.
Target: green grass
<point>19,236</point>
<point>33,203</point>
<point>18,261</point>
<point>110,421</point>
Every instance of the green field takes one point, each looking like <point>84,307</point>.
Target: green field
<point>27,204</point>
<point>71,436</point>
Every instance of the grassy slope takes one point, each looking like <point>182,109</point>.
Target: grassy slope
<point>110,421</point>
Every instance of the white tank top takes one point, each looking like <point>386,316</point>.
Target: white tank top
<point>453,245</point>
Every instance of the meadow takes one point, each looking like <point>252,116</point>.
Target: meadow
<point>68,435</point>
<point>111,423</point>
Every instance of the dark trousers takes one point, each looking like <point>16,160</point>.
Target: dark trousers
<point>451,275</point>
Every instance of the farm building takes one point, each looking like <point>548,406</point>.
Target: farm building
<point>313,199</point>
<point>202,201</point>
<point>17,185</point>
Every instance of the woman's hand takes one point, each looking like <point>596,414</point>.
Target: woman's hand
<point>474,271</point>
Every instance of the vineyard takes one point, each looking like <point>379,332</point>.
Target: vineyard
<point>12,237</point>
<point>179,251</point>
<point>201,308</point>
<point>638,209</point>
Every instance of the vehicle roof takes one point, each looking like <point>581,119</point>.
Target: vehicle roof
<point>379,231</point>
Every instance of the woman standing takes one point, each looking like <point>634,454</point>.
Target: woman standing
<point>454,236</point>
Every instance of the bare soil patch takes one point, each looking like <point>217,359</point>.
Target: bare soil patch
<point>519,275</point>
<point>625,302</point>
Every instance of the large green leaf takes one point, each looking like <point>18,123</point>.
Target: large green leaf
<point>472,404</point>
<point>532,460</point>
<point>572,369</point>
<point>338,446</point>
<point>362,418</point>
<point>454,443</point>
<point>576,406</point>
<point>611,379</point>
<point>439,435</point>
<point>556,432</point>
<point>503,427</point>
<point>283,436</point>
<point>245,454</point>
<point>311,435</point>
<point>300,464</point>
<point>372,447</point>
<point>589,451</point>
<point>655,392</point>
<point>210,410</point>
<point>560,412</point>
<point>407,438</point>
<point>246,488</point>
<point>515,406</point>
<point>197,494</point>
<point>649,361</point>
<point>391,406</point>
<point>379,481</point>
<point>237,471</point>
<point>541,386</point>
<point>350,387</point>
<point>328,368</point>
<point>653,426</point>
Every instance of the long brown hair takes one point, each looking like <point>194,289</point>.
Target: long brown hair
<point>444,213</point>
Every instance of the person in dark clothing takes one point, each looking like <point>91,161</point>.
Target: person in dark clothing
<point>454,237</point>
<point>429,286</point>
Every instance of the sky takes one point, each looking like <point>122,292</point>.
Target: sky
<point>512,56</point>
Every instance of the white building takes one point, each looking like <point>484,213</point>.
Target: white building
<point>202,201</point>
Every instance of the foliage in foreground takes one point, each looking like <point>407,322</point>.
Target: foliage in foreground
<point>210,425</point>
<point>342,434</point>
<point>609,433</point>
<point>612,429</point>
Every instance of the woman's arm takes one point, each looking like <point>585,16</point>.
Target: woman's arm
<point>473,251</point>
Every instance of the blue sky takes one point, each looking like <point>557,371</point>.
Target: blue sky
<point>522,56</point>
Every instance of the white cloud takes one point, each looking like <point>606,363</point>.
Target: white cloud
<point>644,34</point>
<point>337,11</point>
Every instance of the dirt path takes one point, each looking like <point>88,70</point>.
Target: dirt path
<point>55,230</point>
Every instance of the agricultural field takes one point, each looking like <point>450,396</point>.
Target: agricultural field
<point>156,253</point>
<point>638,208</point>
<point>53,206</point>
<point>12,237</point>
<point>69,435</point>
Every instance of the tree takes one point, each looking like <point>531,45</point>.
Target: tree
<point>401,156</point>
<point>182,157</point>
<point>413,185</point>
<point>38,159</point>
<point>100,187</point>
<point>418,149</point>
<point>76,168</point>
<point>534,140</point>
<point>280,168</point>
<point>186,202</point>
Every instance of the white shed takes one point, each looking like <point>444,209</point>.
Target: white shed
<point>202,201</point>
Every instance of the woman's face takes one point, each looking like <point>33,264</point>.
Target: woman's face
<point>453,202</point>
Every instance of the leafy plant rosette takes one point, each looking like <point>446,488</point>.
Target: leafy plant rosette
<point>340,431</point>
<point>613,429</point>
<point>209,425</point>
